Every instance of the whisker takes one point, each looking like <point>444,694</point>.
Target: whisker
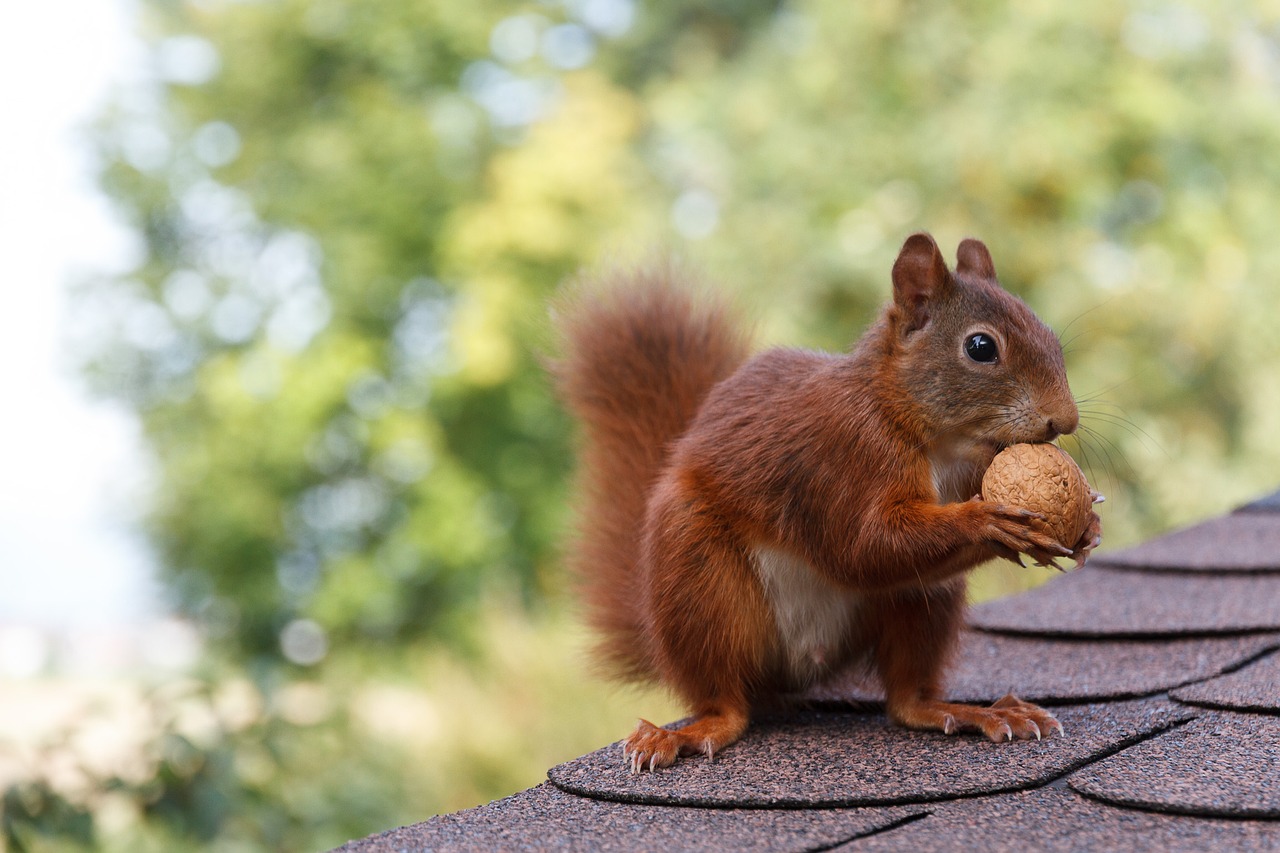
<point>1130,427</point>
<point>1106,440</point>
<point>1110,452</point>
<point>1097,395</point>
<point>1067,343</point>
<point>1099,400</point>
<point>1092,464</point>
<point>1082,447</point>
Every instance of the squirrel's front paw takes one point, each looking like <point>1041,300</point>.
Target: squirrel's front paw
<point>1011,530</point>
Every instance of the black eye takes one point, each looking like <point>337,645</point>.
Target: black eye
<point>981,347</point>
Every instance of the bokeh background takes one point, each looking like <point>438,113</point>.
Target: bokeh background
<point>326,597</point>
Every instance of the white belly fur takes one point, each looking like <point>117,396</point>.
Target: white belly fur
<point>814,616</point>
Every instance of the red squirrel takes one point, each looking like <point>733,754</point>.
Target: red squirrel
<point>750,525</point>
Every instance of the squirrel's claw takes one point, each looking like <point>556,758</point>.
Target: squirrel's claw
<point>1050,563</point>
<point>1006,553</point>
<point>1090,539</point>
<point>1010,532</point>
<point>1082,556</point>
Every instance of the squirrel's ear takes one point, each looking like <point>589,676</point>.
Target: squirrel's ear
<point>919,277</point>
<point>973,259</point>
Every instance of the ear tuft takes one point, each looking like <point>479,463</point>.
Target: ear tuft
<point>973,259</point>
<point>920,278</point>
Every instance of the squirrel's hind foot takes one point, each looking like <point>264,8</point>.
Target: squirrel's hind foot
<point>650,747</point>
<point>1005,720</point>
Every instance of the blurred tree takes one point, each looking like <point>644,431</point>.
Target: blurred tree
<point>352,216</point>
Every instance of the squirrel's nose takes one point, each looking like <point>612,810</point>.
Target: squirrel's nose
<point>1063,422</point>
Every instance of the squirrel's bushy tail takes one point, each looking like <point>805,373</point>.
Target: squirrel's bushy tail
<point>639,352</point>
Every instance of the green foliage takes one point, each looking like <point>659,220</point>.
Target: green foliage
<point>33,811</point>
<point>352,216</point>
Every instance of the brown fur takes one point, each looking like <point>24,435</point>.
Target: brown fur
<point>726,502</point>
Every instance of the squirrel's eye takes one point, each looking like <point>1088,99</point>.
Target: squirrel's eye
<point>981,347</point>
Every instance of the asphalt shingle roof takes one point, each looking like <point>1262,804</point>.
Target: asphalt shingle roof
<point>833,759</point>
<point>1056,820</point>
<point>546,817</point>
<point>1218,765</point>
<point>1162,661</point>
<point>1100,602</point>
<point>1054,670</point>
<point>1255,687</point>
<point>1240,542</point>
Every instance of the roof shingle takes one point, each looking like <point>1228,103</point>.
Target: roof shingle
<point>1219,765</point>
<point>1037,669</point>
<point>824,760</point>
<point>1255,687</point>
<point>546,817</point>
<point>1097,602</point>
<point>1240,542</point>
<point>1057,820</point>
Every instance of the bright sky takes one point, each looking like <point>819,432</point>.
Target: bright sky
<point>68,465</point>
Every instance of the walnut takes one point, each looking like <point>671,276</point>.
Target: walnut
<point>1044,479</point>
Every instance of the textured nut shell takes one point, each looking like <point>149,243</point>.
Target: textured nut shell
<point>1043,479</point>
